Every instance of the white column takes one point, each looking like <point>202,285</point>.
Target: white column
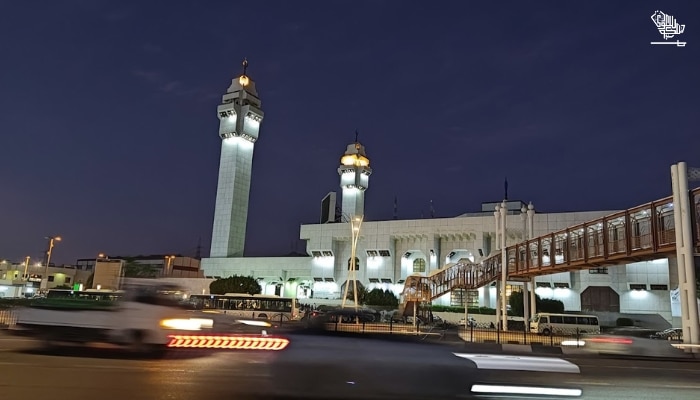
<point>684,254</point>
<point>533,298</point>
<point>504,266</point>
<point>497,216</point>
<point>498,305</point>
<point>531,235</point>
<point>526,297</point>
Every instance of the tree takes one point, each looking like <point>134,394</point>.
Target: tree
<point>543,305</point>
<point>361,293</point>
<point>379,297</point>
<point>235,284</point>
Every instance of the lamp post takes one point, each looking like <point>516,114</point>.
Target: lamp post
<point>51,239</point>
<point>355,224</point>
<point>504,266</point>
<point>169,264</point>
<point>526,296</point>
<point>26,266</point>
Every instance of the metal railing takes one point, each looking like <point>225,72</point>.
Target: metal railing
<point>8,318</point>
<point>480,335</point>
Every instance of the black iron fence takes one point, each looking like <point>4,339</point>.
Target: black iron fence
<point>570,337</point>
<point>8,317</point>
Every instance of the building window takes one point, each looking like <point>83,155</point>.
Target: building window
<point>357,263</point>
<point>418,265</point>
<point>659,287</point>
<point>68,279</point>
<point>50,278</point>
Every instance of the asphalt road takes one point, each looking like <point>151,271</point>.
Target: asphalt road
<point>324,368</point>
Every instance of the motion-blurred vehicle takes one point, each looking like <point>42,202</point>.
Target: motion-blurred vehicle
<point>142,318</point>
<point>471,322</point>
<point>317,319</point>
<point>624,345</point>
<point>668,334</point>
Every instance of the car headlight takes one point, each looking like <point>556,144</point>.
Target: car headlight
<point>190,324</point>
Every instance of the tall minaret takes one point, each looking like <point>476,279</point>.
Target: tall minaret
<point>240,116</point>
<point>354,174</point>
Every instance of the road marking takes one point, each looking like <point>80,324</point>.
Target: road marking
<point>589,383</point>
<point>682,387</point>
<point>634,367</point>
<point>521,363</point>
<point>526,390</point>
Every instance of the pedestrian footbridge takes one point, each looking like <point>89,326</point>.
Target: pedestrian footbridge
<point>645,232</point>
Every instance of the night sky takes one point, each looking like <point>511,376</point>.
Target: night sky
<point>109,134</point>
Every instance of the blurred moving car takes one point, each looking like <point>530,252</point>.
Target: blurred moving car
<point>624,345</point>
<point>463,322</point>
<point>668,334</point>
<point>141,318</point>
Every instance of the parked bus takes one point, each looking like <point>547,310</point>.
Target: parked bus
<point>567,324</point>
<point>242,305</point>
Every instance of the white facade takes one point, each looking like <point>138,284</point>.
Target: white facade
<point>240,116</point>
<point>389,251</point>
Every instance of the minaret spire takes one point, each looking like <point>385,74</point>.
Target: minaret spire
<point>240,115</point>
<point>354,172</point>
<point>356,134</point>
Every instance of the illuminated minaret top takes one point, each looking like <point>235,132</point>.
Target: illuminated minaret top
<point>240,116</point>
<point>354,174</point>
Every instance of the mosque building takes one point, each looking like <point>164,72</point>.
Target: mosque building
<point>387,252</point>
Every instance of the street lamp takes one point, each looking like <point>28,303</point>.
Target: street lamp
<point>169,264</point>
<point>355,224</point>
<point>26,266</point>
<point>51,239</point>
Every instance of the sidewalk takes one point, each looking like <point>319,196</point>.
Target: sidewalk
<point>572,351</point>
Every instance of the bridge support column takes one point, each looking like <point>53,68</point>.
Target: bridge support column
<point>674,285</point>
<point>533,298</point>
<point>684,254</point>
<point>526,306</point>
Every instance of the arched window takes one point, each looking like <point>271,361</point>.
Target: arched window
<point>419,265</point>
<point>357,263</point>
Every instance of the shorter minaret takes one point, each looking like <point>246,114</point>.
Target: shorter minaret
<point>354,174</point>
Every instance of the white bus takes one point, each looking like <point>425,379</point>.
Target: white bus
<point>246,306</point>
<point>564,324</point>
